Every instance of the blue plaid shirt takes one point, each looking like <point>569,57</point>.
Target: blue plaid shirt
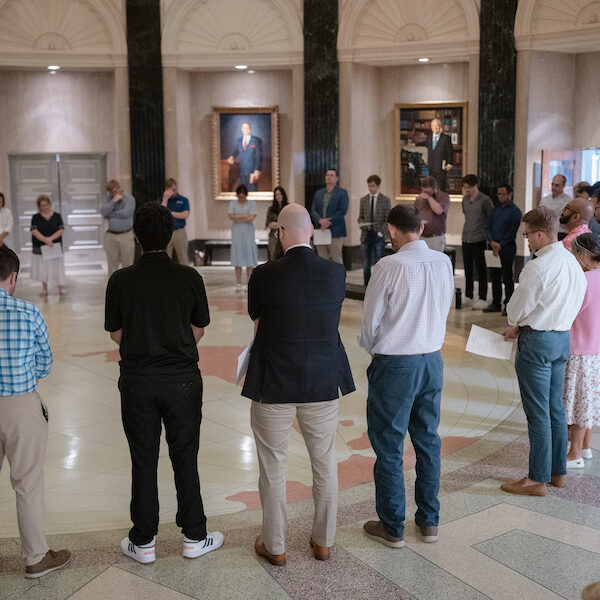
<point>25,353</point>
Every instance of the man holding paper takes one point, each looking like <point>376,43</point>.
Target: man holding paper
<point>297,368</point>
<point>404,324</point>
<point>540,313</point>
<point>500,233</point>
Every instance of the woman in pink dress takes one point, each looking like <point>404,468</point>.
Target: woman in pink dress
<point>582,376</point>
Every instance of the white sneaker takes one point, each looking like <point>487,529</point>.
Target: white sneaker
<point>194,548</point>
<point>575,464</point>
<point>143,554</point>
<point>586,453</point>
<point>479,305</point>
<point>466,302</point>
<point>238,288</point>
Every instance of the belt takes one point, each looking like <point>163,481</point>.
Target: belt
<point>525,329</point>
<point>118,232</point>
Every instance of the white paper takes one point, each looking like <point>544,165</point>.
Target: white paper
<point>491,261</point>
<point>487,343</point>
<point>243,360</point>
<point>365,224</point>
<point>50,252</point>
<point>322,238</point>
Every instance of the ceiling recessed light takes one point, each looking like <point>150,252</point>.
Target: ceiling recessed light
<point>53,68</point>
<point>424,59</point>
<point>52,72</point>
<point>241,67</point>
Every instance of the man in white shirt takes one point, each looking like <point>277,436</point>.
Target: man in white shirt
<point>540,313</point>
<point>557,200</point>
<point>404,323</point>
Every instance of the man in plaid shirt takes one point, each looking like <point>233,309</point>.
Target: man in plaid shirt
<point>25,356</point>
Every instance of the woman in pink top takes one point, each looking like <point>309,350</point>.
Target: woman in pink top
<point>582,376</point>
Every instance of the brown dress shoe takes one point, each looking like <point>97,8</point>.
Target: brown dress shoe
<point>519,487</point>
<point>275,559</point>
<point>320,552</point>
<point>50,562</point>
<point>557,480</point>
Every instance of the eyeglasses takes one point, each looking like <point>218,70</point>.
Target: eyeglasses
<point>277,231</point>
<point>526,234</point>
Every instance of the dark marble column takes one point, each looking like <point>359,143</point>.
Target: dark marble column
<point>321,84</point>
<point>497,93</point>
<point>145,99</point>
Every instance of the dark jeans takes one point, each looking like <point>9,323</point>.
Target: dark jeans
<point>372,249</point>
<point>178,405</point>
<point>540,366</point>
<point>404,394</point>
<point>504,274</point>
<point>475,252</point>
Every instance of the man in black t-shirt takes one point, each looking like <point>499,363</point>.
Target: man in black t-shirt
<point>156,312</point>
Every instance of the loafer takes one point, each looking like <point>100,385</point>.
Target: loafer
<point>578,463</point>
<point>492,308</point>
<point>320,552</point>
<point>51,562</point>
<point>586,453</point>
<point>376,531</point>
<point>429,533</point>
<point>557,481</point>
<point>519,487</point>
<point>277,560</point>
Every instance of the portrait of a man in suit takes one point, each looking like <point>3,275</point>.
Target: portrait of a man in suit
<point>439,154</point>
<point>248,150</point>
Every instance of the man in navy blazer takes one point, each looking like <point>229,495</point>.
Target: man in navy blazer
<point>439,154</point>
<point>248,149</point>
<point>298,367</point>
<point>328,211</point>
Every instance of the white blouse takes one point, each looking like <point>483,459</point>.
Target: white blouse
<point>6,220</point>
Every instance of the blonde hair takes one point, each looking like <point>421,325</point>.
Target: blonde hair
<point>112,185</point>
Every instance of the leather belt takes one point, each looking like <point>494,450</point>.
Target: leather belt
<point>118,232</point>
<point>525,329</point>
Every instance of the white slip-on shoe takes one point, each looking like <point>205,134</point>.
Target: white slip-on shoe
<point>587,453</point>
<point>575,464</point>
<point>143,554</point>
<point>479,305</point>
<point>196,548</point>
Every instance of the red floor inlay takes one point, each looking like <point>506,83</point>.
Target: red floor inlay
<point>109,355</point>
<point>347,423</point>
<point>219,361</point>
<point>238,306</point>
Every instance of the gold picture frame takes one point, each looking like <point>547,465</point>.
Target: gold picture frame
<point>231,164</point>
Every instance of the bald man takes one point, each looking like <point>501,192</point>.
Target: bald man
<point>557,200</point>
<point>297,367</point>
<point>575,217</point>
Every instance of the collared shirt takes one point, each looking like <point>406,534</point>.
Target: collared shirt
<point>407,302</point>
<point>434,224</point>
<point>579,230</point>
<point>25,353</point>
<point>557,205</point>
<point>119,214</point>
<point>477,212</point>
<point>178,204</point>
<point>503,224</point>
<point>550,291</point>
<point>299,246</point>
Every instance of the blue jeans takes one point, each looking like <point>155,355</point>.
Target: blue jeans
<point>404,394</point>
<point>540,366</point>
<point>372,249</point>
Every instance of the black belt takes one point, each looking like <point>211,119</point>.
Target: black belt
<point>118,232</point>
<point>525,329</point>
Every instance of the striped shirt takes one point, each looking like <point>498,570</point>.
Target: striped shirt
<point>25,353</point>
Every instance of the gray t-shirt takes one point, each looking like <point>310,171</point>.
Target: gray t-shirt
<point>476,214</point>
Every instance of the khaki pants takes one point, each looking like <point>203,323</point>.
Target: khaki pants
<point>436,242</point>
<point>332,252</point>
<point>179,241</point>
<point>271,425</point>
<point>120,249</point>
<point>23,439</point>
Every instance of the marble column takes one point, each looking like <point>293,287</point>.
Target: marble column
<point>145,99</point>
<point>497,91</point>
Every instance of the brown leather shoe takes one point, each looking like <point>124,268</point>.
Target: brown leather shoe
<point>558,480</point>
<point>320,552</point>
<point>50,562</point>
<point>275,559</point>
<point>519,487</point>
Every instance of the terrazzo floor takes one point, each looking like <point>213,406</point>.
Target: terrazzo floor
<point>492,545</point>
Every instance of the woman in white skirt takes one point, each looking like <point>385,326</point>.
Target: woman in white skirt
<point>6,220</point>
<point>582,375</point>
<point>46,231</point>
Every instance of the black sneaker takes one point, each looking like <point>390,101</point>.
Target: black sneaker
<point>492,308</point>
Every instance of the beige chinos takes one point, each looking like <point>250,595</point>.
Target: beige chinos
<point>23,440</point>
<point>120,249</point>
<point>179,241</point>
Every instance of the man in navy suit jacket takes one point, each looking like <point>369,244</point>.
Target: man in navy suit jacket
<point>439,154</point>
<point>328,211</point>
<point>249,150</point>
<point>298,367</point>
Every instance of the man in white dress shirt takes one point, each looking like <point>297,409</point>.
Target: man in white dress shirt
<point>404,323</point>
<point>557,200</point>
<point>541,312</point>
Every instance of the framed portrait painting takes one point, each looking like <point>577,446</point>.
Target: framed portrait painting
<point>430,139</point>
<point>245,150</point>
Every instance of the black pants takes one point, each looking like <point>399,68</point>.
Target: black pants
<point>144,405</point>
<point>475,252</point>
<point>504,274</point>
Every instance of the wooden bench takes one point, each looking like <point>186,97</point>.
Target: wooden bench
<point>221,248</point>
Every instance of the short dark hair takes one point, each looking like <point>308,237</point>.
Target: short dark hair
<point>153,226</point>
<point>374,179</point>
<point>470,180</point>
<point>405,218</point>
<point>428,181</point>
<point>9,263</point>
<point>334,170</point>
<point>241,189</point>
<point>507,187</point>
<point>543,219</point>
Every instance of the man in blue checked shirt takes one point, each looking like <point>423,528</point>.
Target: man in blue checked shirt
<point>25,356</point>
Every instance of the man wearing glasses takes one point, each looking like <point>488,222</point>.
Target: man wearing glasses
<point>575,217</point>
<point>540,313</point>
